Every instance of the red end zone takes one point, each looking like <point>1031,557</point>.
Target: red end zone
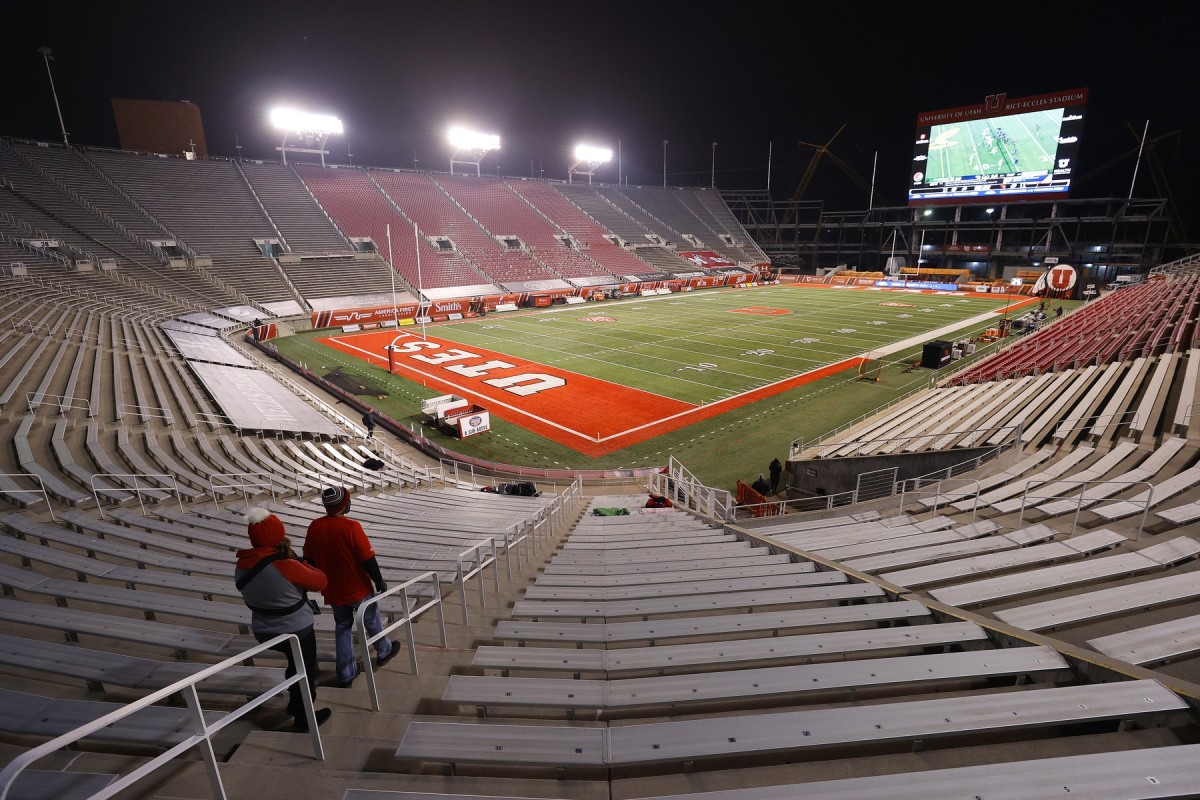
<point>589,415</point>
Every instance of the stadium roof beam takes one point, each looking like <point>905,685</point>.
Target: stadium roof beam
<point>313,130</point>
<point>470,147</point>
<point>588,159</point>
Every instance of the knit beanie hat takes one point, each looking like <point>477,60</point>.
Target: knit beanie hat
<point>264,528</point>
<point>336,500</point>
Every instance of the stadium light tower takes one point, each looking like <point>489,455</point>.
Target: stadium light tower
<point>470,147</point>
<point>45,52</point>
<point>313,130</point>
<point>587,160</point>
<point>665,143</point>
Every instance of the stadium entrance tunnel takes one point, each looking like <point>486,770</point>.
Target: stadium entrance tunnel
<point>811,477</point>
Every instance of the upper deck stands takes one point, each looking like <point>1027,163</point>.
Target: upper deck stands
<point>353,201</point>
<point>505,213</point>
<point>210,208</point>
<point>303,225</point>
<point>589,233</point>
<point>424,201</point>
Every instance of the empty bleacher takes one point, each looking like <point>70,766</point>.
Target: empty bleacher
<point>941,647</point>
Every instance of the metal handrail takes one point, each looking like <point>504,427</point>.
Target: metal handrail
<point>937,493</point>
<point>35,400</point>
<point>40,490</point>
<point>1083,422</point>
<point>241,485</point>
<point>203,731</point>
<point>136,488</point>
<point>412,611</point>
<point>1079,504</point>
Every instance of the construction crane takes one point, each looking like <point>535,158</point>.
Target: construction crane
<point>819,151</point>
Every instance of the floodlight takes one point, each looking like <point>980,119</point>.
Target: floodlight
<point>587,160</point>
<point>598,155</point>
<point>313,130</point>
<point>464,139</point>
<point>470,147</point>
<point>289,119</point>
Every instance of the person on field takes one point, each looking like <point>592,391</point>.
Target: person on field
<point>776,470</point>
<point>338,545</point>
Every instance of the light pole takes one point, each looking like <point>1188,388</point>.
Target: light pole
<point>45,51</point>
<point>712,183</point>
<point>665,143</point>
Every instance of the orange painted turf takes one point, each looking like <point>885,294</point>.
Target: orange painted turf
<point>591,416</point>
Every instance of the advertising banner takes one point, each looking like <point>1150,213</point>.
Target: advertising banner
<point>927,285</point>
<point>471,424</point>
<point>707,259</point>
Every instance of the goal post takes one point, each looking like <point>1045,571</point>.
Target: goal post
<point>869,367</point>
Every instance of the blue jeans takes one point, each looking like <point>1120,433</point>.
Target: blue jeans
<point>343,618</point>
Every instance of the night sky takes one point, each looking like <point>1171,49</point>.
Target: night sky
<point>760,82</point>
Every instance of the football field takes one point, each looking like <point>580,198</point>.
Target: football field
<point>598,379</point>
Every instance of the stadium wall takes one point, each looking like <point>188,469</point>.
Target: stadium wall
<point>819,477</point>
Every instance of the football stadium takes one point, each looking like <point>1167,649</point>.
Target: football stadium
<point>891,504</point>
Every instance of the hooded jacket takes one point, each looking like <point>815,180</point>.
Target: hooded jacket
<point>280,585</point>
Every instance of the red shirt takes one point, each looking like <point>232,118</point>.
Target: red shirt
<point>337,546</point>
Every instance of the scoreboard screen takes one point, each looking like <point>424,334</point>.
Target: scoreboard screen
<point>998,151</point>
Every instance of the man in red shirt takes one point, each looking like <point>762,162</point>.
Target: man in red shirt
<point>338,546</point>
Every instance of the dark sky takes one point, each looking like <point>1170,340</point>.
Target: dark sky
<point>544,75</point>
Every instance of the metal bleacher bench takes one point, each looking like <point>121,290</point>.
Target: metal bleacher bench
<point>1129,596</point>
<point>742,684</point>
<point>785,733</point>
<point>1152,643</point>
<point>35,715</point>
<point>802,647</point>
<point>100,667</point>
<point>774,565</point>
<point>985,564</point>
<point>651,586</point>
<point>839,590</point>
<point>680,563</point>
<point>1146,773</point>
<point>719,625</point>
<point>1120,565</point>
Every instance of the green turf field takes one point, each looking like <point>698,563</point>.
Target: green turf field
<point>697,347</point>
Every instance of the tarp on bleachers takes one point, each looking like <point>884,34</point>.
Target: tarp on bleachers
<point>199,347</point>
<point>253,400</point>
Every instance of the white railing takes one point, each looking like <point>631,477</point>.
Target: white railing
<point>203,730</point>
<point>35,400</point>
<point>413,609</point>
<point>1079,423</point>
<point>242,485</point>
<point>683,488</point>
<point>1147,503</point>
<point>138,489</point>
<point>40,490</point>
<point>919,487</point>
